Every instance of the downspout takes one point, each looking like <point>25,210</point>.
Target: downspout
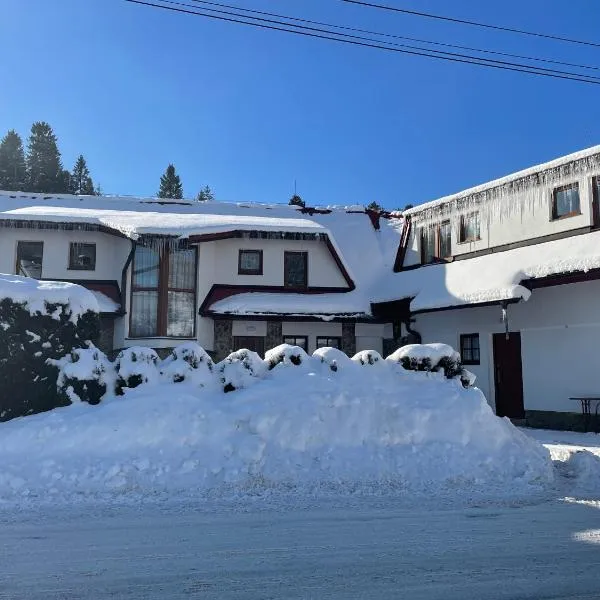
<point>413,332</point>
<point>124,276</point>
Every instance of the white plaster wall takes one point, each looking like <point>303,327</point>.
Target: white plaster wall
<point>530,223</point>
<point>111,252</point>
<point>312,330</point>
<point>560,334</point>
<point>322,269</point>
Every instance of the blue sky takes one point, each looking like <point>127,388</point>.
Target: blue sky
<point>249,111</point>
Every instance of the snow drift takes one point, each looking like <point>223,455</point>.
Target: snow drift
<point>368,426</point>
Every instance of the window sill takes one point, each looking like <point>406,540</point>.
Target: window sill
<point>471,363</point>
<point>567,216</point>
<point>250,272</point>
<point>159,337</point>
<point>80,269</point>
<point>469,240</point>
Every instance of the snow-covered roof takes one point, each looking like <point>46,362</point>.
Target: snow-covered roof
<point>134,217</point>
<point>322,306</point>
<point>492,277</point>
<point>591,154</point>
<point>105,304</point>
<point>36,294</point>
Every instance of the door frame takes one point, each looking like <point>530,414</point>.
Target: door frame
<point>500,406</point>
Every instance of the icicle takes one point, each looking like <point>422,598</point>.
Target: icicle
<point>505,318</point>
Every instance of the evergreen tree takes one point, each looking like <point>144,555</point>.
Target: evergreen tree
<point>205,195</point>
<point>375,206</point>
<point>170,185</point>
<point>295,200</point>
<point>13,170</point>
<point>80,180</point>
<point>45,172</point>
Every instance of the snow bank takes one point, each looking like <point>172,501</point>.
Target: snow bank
<point>297,429</point>
<point>36,295</point>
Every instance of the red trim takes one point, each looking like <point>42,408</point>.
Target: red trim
<point>340,264</point>
<point>401,253</point>
<point>220,291</point>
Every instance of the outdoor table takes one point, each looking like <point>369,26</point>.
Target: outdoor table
<point>586,408</point>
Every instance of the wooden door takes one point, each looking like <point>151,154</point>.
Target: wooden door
<point>508,375</point>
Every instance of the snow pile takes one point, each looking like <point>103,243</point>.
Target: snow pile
<point>136,366</point>
<point>36,296</point>
<point>286,354</point>
<point>298,429</point>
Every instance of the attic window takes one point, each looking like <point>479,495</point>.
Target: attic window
<point>250,262</point>
<point>436,243</point>
<point>82,257</point>
<point>295,269</point>
<point>469,228</point>
<point>29,259</point>
<point>565,201</point>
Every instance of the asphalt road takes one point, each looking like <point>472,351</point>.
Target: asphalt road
<point>367,550</point>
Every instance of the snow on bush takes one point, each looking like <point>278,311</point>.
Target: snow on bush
<point>136,366</point>
<point>85,375</point>
<point>39,322</point>
<point>188,362</point>
<point>240,369</point>
<point>369,358</point>
<point>295,431</point>
<point>286,354</point>
<point>434,358</point>
<point>332,357</point>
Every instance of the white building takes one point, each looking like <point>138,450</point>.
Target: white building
<point>226,275</point>
<point>507,272</point>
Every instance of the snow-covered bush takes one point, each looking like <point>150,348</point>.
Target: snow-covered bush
<point>286,354</point>
<point>369,358</point>
<point>135,366</point>
<point>434,358</point>
<point>240,369</point>
<point>187,362</point>
<point>39,322</point>
<point>85,375</point>
<point>332,357</point>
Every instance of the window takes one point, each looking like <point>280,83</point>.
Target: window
<point>469,348</point>
<point>427,245</point>
<point>436,243</point>
<point>29,259</point>
<point>82,257</point>
<point>445,240</point>
<point>329,342</point>
<point>163,293</point>
<point>250,262</point>
<point>469,228</point>
<point>297,340</point>
<point>250,342</point>
<point>565,201</point>
<point>596,200</point>
<point>295,269</point>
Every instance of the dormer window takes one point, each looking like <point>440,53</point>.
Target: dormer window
<point>250,262</point>
<point>565,201</point>
<point>436,243</point>
<point>469,228</point>
<point>295,269</point>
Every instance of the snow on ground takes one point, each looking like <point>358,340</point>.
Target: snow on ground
<point>361,429</point>
<point>576,457</point>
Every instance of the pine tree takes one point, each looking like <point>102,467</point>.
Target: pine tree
<point>295,200</point>
<point>80,180</point>
<point>170,185</point>
<point>45,172</point>
<point>205,195</point>
<point>374,206</point>
<point>13,170</point>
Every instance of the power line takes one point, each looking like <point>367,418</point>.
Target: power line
<point>447,56</point>
<point>481,60</point>
<point>398,37</point>
<point>475,23</point>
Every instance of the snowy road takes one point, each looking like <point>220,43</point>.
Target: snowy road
<point>369,549</point>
